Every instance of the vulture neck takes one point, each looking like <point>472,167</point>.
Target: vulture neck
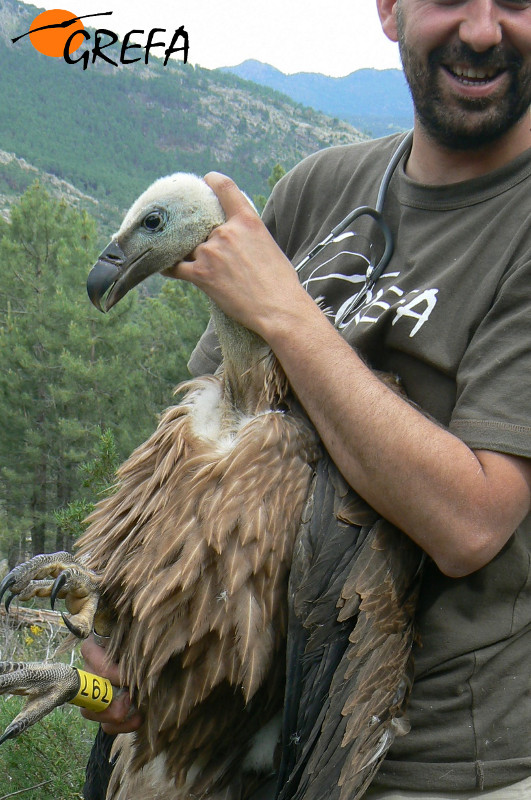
<point>252,377</point>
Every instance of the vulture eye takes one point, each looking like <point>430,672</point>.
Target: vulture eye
<point>154,221</point>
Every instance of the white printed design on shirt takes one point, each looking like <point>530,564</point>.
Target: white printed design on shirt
<point>426,300</point>
<point>416,304</point>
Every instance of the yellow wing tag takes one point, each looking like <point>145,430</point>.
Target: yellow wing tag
<point>95,693</point>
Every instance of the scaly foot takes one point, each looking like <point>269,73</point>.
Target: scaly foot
<point>48,686</point>
<point>57,575</point>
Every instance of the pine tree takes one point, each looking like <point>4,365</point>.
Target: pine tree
<point>97,481</point>
<point>44,254</point>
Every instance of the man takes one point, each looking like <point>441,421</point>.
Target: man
<point>450,315</point>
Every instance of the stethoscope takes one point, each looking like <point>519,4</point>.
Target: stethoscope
<point>374,270</point>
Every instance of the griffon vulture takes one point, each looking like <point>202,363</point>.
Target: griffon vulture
<point>185,568</point>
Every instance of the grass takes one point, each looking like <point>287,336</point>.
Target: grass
<point>47,761</point>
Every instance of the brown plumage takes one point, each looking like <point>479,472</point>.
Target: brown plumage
<point>193,552</point>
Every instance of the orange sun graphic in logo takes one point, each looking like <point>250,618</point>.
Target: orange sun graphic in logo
<point>50,31</point>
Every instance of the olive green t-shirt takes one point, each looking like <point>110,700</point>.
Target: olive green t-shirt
<point>450,316</point>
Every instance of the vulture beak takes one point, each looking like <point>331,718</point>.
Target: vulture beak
<point>114,273</point>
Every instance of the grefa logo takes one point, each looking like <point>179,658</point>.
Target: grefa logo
<point>60,34</point>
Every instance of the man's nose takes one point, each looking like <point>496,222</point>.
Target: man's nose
<point>480,28</point>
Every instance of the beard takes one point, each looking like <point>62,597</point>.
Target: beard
<point>465,123</point>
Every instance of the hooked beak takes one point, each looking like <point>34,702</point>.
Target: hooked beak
<point>114,274</point>
<point>104,274</point>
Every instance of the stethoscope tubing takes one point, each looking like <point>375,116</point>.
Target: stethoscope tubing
<point>374,270</point>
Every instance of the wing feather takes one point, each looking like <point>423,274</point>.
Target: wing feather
<point>353,590</point>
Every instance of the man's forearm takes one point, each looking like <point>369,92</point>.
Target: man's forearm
<point>449,499</point>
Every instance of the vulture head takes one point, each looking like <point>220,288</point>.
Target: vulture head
<point>162,227</point>
<point>167,222</point>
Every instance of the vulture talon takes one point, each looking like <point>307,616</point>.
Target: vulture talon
<point>8,601</point>
<point>58,585</point>
<point>45,687</point>
<point>6,584</point>
<point>57,575</point>
<point>78,633</point>
<point>34,577</point>
<point>10,732</point>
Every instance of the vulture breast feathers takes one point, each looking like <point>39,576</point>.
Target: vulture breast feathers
<point>194,550</point>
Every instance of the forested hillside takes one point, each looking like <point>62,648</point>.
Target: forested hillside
<point>111,131</point>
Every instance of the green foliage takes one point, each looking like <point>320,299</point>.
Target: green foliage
<point>13,179</point>
<point>71,519</point>
<point>97,476</point>
<point>44,253</point>
<point>259,201</point>
<point>277,173</point>
<point>48,761</point>
<point>70,373</point>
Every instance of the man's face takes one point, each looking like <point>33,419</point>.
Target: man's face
<point>468,65</point>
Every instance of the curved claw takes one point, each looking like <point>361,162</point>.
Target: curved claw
<point>72,628</point>
<point>58,585</point>
<point>8,602</point>
<point>6,584</point>
<point>10,732</point>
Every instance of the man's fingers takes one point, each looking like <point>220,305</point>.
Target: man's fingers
<point>97,661</point>
<point>183,271</point>
<point>232,200</point>
<point>120,717</point>
<point>129,726</point>
<point>117,712</point>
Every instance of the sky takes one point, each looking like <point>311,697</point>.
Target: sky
<point>334,37</point>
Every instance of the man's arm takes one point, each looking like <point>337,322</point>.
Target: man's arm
<point>459,505</point>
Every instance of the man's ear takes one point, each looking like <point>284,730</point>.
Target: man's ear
<point>387,13</point>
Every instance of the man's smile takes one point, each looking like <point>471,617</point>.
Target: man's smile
<point>473,75</point>
<point>474,82</point>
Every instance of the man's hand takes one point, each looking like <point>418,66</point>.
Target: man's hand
<point>120,716</point>
<point>242,269</point>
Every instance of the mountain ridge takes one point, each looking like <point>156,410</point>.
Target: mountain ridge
<point>375,101</point>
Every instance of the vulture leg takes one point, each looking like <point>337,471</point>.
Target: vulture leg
<point>57,575</point>
<point>45,685</point>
